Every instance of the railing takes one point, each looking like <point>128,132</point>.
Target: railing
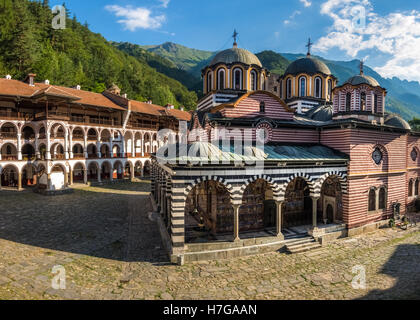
<point>77,119</point>
<point>8,135</point>
<point>9,157</point>
<point>15,116</point>
<point>101,121</point>
<point>106,155</point>
<point>42,136</point>
<point>117,155</point>
<point>143,125</point>
<point>78,155</point>
<point>30,137</point>
<point>92,156</point>
<point>58,157</point>
<point>78,137</point>
<point>28,157</point>
<point>92,138</point>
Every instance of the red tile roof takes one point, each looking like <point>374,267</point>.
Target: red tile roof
<point>18,88</point>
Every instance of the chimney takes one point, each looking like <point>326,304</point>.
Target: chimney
<point>30,79</point>
<point>78,87</point>
<point>169,106</point>
<point>125,96</point>
<point>149,102</point>
<point>181,108</point>
<point>47,82</point>
<point>9,77</point>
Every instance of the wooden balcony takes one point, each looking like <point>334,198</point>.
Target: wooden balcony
<point>8,135</point>
<point>9,157</point>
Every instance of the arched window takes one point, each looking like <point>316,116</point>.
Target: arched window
<point>209,82</point>
<point>329,89</point>
<point>372,199</point>
<point>254,80</point>
<point>318,88</point>
<point>221,79</point>
<point>416,188</point>
<point>348,102</point>
<point>262,107</point>
<point>289,88</point>
<point>237,79</point>
<point>410,188</point>
<point>302,87</point>
<point>8,150</point>
<point>382,198</point>
<point>363,101</point>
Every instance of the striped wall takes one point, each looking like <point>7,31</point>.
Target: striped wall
<point>183,180</point>
<point>250,108</point>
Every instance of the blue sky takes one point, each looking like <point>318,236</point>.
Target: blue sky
<point>389,40</point>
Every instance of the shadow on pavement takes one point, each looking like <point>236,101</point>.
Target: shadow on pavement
<point>109,221</point>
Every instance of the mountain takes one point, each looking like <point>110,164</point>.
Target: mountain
<point>273,61</point>
<point>403,96</point>
<point>190,60</point>
<point>75,55</point>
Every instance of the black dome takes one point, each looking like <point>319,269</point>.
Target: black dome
<point>396,121</point>
<point>362,79</point>
<point>309,65</point>
<point>321,113</point>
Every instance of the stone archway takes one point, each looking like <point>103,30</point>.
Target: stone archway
<point>297,207</point>
<point>29,176</point>
<point>331,201</point>
<point>258,210</point>
<point>10,177</point>
<point>208,212</point>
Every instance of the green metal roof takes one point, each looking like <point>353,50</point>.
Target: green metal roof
<point>234,55</point>
<point>308,65</point>
<point>208,153</point>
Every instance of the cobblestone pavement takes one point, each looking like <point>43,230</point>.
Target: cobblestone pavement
<point>110,249</point>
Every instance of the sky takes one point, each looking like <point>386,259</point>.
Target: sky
<point>385,33</point>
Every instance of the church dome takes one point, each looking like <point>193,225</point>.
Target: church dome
<point>235,55</point>
<point>308,65</point>
<point>321,113</point>
<point>396,121</point>
<point>362,79</point>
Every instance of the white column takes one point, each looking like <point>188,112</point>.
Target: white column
<point>48,147</point>
<point>236,223</point>
<point>19,146</point>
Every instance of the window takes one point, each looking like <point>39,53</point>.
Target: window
<point>348,102</point>
<point>329,89</point>
<point>302,87</point>
<point>289,88</point>
<point>382,198</point>
<point>237,79</point>
<point>221,79</point>
<point>414,154</point>
<point>363,101</point>
<point>275,89</point>
<point>416,188</point>
<point>375,103</point>
<point>372,200</point>
<point>262,107</point>
<point>318,88</point>
<point>254,80</point>
<point>410,188</point>
<point>209,82</point>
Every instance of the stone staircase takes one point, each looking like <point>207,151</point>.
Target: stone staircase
<point>302,244</point>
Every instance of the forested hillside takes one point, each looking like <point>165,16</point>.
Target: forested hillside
<point>76,55</point>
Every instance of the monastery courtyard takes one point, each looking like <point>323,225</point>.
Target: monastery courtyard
<point>110,249</point>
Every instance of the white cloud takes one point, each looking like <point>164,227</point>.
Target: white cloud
<point>306,3</point>
<point>396,34</point>
<point>137,18</point>
<point>164,3</point>
<point>292,17</point>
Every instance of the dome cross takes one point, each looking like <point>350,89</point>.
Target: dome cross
<point>235,36</point>
<point>309,45</point>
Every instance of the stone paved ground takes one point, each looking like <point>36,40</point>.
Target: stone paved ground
<point>111,250</point>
